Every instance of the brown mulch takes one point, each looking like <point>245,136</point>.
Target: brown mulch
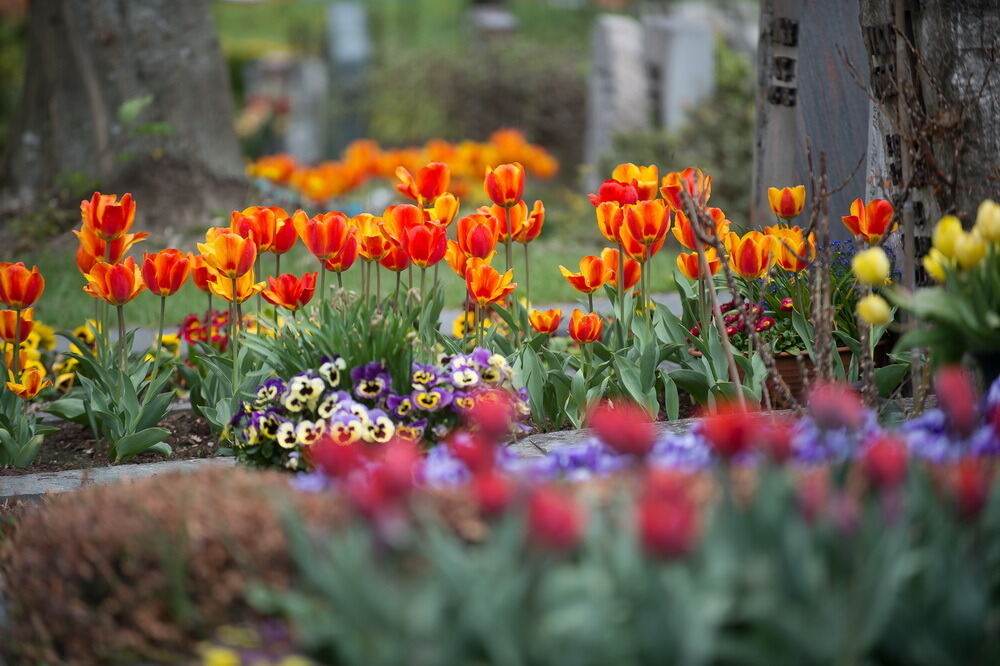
<point>74,446</point>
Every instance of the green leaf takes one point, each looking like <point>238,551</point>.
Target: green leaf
<point>136,443</point>
<point>695,383</point>
<point>131,108</point>
<point>671,399</point>
<point>69,409</point>
<point>888,377</point>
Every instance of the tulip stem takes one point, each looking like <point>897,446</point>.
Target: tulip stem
<point>340,280</point>
<point>159,340</point>
<point>123,354</point>
<point>234,331</point>
<point>16,352</point>
<point>209,301</point>
<point>378,283</point>
<point>259,297</point>
<point>277,265</point>
<point>423,280</point>
<point>527,278</point>
<point>399,279</point>
<point>507,245</point>
<point>590,301</point>
<point>322,285</point>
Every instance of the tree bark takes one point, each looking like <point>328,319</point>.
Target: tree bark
<point>88,63</point>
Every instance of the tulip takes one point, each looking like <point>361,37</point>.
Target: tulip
<point>397,219</point>
<point>109,218</point>
<point>201,273</point>
<point>787,202</point>
<point>505,184</point>
<point>633,269</point>
<point>555,520</point>
<point>751,255</point>
<point>946,232</point>
<point>957,395</point>
<point>625,427</point>
<point>874,310</point>
<point>290,292</point>
<point>430,183</point>
<point>988,221</point>
<point>533,227</point>
<point>643,178</point>
<point>493,415</point>
<point>477,235</point>
<point>545,321</point>
<point>693,181</point>
<point>592,276</point>
<point>787,304</point>
<point>166,271</point>
<point>443,211</point>
<point>425,245</point>
<point>229,254</point>
<point>16,325</point>
<point>28,383</point>
<point>684,232</point>
<point>969,249</point>
<point>613,191</point>
<point>870,221</point>
<point>92,249</point>
<point>493,492</point>
<point>834,406</point>
<point>284,237</point>
<point>474,451</point>
<point>235,290</point>
<point>884,462</point>
<point>648,221</point>
<point>970,487</point>
<point>871,266</point>
<point>344,259</point>
<point>935,264</point>
<point>395,259</point>
<point>117,284</point>
<point>259,224</point>
<point>20,287</point>
<point>730,431</point>
<point>325,235</point>
<point>610,218</point>
<point>372,243</point>
<point>689,265</point>
<point>668,528</point>
<point>485,285</point>
<point>585,327</point>
<point>793,250</point>
<point>511,221</point>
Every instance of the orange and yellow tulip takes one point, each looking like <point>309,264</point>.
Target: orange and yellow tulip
<point>635,248</point>
<point>545,321</point>
<point>443,211</point>
<point>592,276</point>
<point>372,243</point>
<point>533,227</point>
<point>395,259</point>
<point>585,327</point>
<point>228,253</point>
<point>430,183</point>
<point>870,221</point>
<point>633,269</point>
<point>478,234</point>
<point>750,255</point>
<point>245,287</point>
<point>344,259</point>
<point>684,232</point>
<point>510,221</point>
<point>460,262</point>
<point>486,285</point>
<point>505,184</point>
<point>289,291</point>
<point>30,383</point>
<point>610,218</point>
<point>166,271</point>
<point>644,178</point>
<point>688,264</point>
<point>787,202</point>
<point>201,273</point>
<point>324,235</point>
<point>10,331</point>
<point>20,287</point>
<point>92,249</point>
<point>693,181</point>
<point>793,250</point>
<point>116,284</point>
<point>397,219</point>
<point>648,221</point>
<point>109,218</point>
<point>425,244</point>
<point>259,224</point>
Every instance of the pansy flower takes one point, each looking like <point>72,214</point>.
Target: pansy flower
<point>463,373</point>
<point>440,431</point>
<point>357,411</point>
<point>328,405</point>
<point>496,370</point>
<point>303,390</point>
<point>400,405</point>
<point>330,369</point>
<point>370,380</point>
<point>269,391</point>
<point>344,429</point>
<point>463,401</point>
<point>412,431</point>
<point>267,423</point>
<point>431,400</point>
<point>423,375</point>
<point>307,432</point>
<point>481,356</point>
<point>380,427</point>
<point>286,435</point>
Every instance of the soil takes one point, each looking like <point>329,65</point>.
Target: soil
<point>74,447</point>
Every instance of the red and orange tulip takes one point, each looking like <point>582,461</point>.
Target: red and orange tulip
<point>688,264</point>
<point>259,224</point>
<point>344,259</point>
<point>29,384</point>
<point>245,287</point>
<point>92,249</point>
<point>693,181</point>
<point>166,271</point>
<point>505,184</point>
<point>478,234</point>
<point>635,248</point>
<point>325,235</point>
<point>397,219</point>
<point>20,287</point>
<point>10,331</point>
<point>633,269</point>
<point>430,183</point>
<point>486,285</point>
<point>793,250</point>
<point>787,202</point>
<point>372,243</point>
<point>395,259</point>
<point>585,327</point>
<point>425,244</point>
<point>228,253</point>
<point>510,221</point>
<point>750,255</point>
<point>545,321</point>
<point>460,261</point>
<point>201,273</point>
<point>289,291</point>
<point>684,232</point>
<point>592,276</point>
<point>648,221</point>
<point>116,284</point>
<point>870,221</point>
<point>622,194</point>
<point>443,211</point>
<point>610,218</point>
<point>284,236</point>
<point>644,178</point>
<point>109,218</point>
<point>533,227</point>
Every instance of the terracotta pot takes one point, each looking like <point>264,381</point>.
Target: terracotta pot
<point>790,369</point>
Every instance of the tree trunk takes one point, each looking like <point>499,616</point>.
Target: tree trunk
<point>125,96</point>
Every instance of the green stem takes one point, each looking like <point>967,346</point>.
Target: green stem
<point>159,340</point>
<point>277,265</point>
<point>209,301</point>
<point>590,301</point>
<point>621,296</point>
<point>234,330</point>
<point>399,279</point>
<point>259,297</point>
<point>507,247</point>
<point>423,280</point>
<point>322,285</point>
<point>123,353</point>
<point>378,283</point>
<point>340,280</point>
<point>527,278</point>
<point>16,352</point>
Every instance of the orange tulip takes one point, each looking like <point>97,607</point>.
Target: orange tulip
<point>643,178</point>
<point>693,181</point>
<point>290,292</point>
<point>92,249</point>
<point>444,210</point>
<point>585,327</point>
<point>648,221</point>
<point>397,219</point>
<point>610,217</point>
<point>485,285</point>
<point>166,271</point>
<point>545,321</point>
<point>10,331</point>
<point>793,251</point>
<point>635,248</point>
<point>372,243</point>
<point>510,221</point>
<point>395,259</point>
<point>29,384</point>
<point>533,227</point>
<point>284,236</point>
<point>324,235</point>
<point>344,259</point>
<point>259,224</point>
<point>787,202</point>
<point>201,273</point>
<point>425,245</point>
<point>505,184</point>
<point>751,255</point>
<point>20,287</point>
<point>229,254</point>
<point>222,287</point>
<point>115,283</point>
<point>460,262</point>
<point>688,265</point>
<point>684,232</point>
<point>633,269</point>
<point>106,216</point>
<point>871,221</point>
<point>478,234</point>
<point>592,276</point>
<point>430,183</point>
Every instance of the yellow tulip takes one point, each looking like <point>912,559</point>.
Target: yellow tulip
<point>946,233</point>
<point>988,221</point>
<point>874,310</point>
<point>969,249</point>
<point>871,266</point>
<point>934,263</point>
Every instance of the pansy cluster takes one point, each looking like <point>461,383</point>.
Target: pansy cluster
<point>285,417</point>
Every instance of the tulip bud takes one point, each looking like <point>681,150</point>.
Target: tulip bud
<point>956,392</point>
<point>969,249</point>
<point>934,263</point>
<point>947,231</point>
<point>871,266</point>
<point>493,492</point>
<point>874,310</point>
<point>970,487</point>
<point>624,427</point>
<point>885,461</point>
<point>988,221</point>
<point>555,520</point>
<point>668,528</point>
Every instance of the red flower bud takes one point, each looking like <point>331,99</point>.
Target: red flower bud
<point>836,406</point>
<point>970,487</point>
<point>885,461</point>
<point>555,520</point>
<point>477,453</point>
<point>730,431</point>
<point>625,427</point>
<point>493,492</point>
<point>957,395</point>
<point>668,528</point>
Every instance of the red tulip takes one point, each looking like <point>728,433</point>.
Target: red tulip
<point>970,487</point>
<point>884,461</point>
<point>477,235</point>
<point>835,406</point>
<point>166,271</point>
<point>624,426</point>
<point>505,184</point>
<point>425,244</point>
<point>289,291</point>
<point>476,453</point>
<point>109,218</point>
<point>555,520</point>
<point>493,492</point>
<point>957,395</point>
<point>613,190</point>
<point>730,431</point>
<point>668,528</point>
<point>430,183</point>
<point>9,329</point>
<point>20,287</point>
